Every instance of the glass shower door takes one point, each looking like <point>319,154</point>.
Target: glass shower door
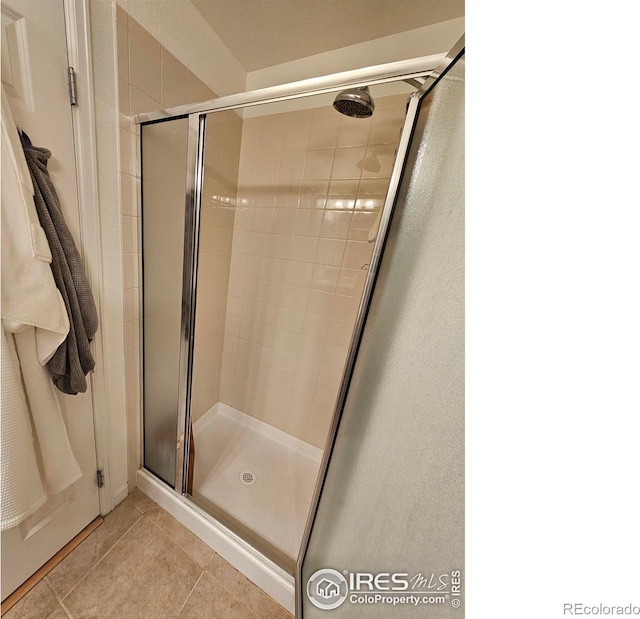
<point>164,157</point>
<point>291,204</point>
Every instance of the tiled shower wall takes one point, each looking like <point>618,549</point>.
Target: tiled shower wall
<point>149,78</point>
<point>311,184</point>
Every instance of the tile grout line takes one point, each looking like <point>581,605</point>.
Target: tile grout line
<point>66,610</point>
<point>190,593</point>
<point>99,560</point>
<point>59,602</point>
<point>175,543</point>
<point>233,595</point>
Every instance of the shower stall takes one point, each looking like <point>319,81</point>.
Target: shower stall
<point>264,218</point>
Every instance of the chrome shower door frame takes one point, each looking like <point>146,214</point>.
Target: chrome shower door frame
<point>357,78</point>
<point>197,114</point>
<point>193,203</point>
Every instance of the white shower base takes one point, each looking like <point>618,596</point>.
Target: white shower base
<point>229,443</point>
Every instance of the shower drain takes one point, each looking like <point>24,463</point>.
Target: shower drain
<point>247,478</point>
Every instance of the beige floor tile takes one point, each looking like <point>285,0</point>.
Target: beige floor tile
<point>243,589</point>
<point>146,575</point>
<point>58,613</point>
<point>74,568</point>
<point>141,501</point>
<point>210,600</point>
<point>151,570</point>
<point>190,543</point>
<point>39,602</point>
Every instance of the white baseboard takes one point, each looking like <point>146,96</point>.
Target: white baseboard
<point>121,494</point>
<point>271,578</point>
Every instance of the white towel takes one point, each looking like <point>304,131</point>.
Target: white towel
<point>33,312</point>
<point>29,292</point>
<point>60,466</point>
<point>22,491</point>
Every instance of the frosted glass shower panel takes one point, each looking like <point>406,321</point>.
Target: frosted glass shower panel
<point>164,160</point>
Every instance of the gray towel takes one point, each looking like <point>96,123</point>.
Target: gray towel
<point>73,359</point>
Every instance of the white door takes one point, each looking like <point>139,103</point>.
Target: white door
<point>34,74</point>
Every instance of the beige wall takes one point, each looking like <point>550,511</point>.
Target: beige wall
<point>434,39</point>
<point>179,26</point>
<point>148,78</point>
<point>310,185</point>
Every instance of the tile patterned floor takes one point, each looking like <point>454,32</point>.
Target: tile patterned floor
<point>142,563</point>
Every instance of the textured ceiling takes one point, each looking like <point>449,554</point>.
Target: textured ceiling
<point>262,33</point>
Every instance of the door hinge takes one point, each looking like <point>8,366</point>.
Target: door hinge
<point>100,478</point>
<point>73,93</point>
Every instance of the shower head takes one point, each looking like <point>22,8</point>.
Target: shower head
<point>355,102</point>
